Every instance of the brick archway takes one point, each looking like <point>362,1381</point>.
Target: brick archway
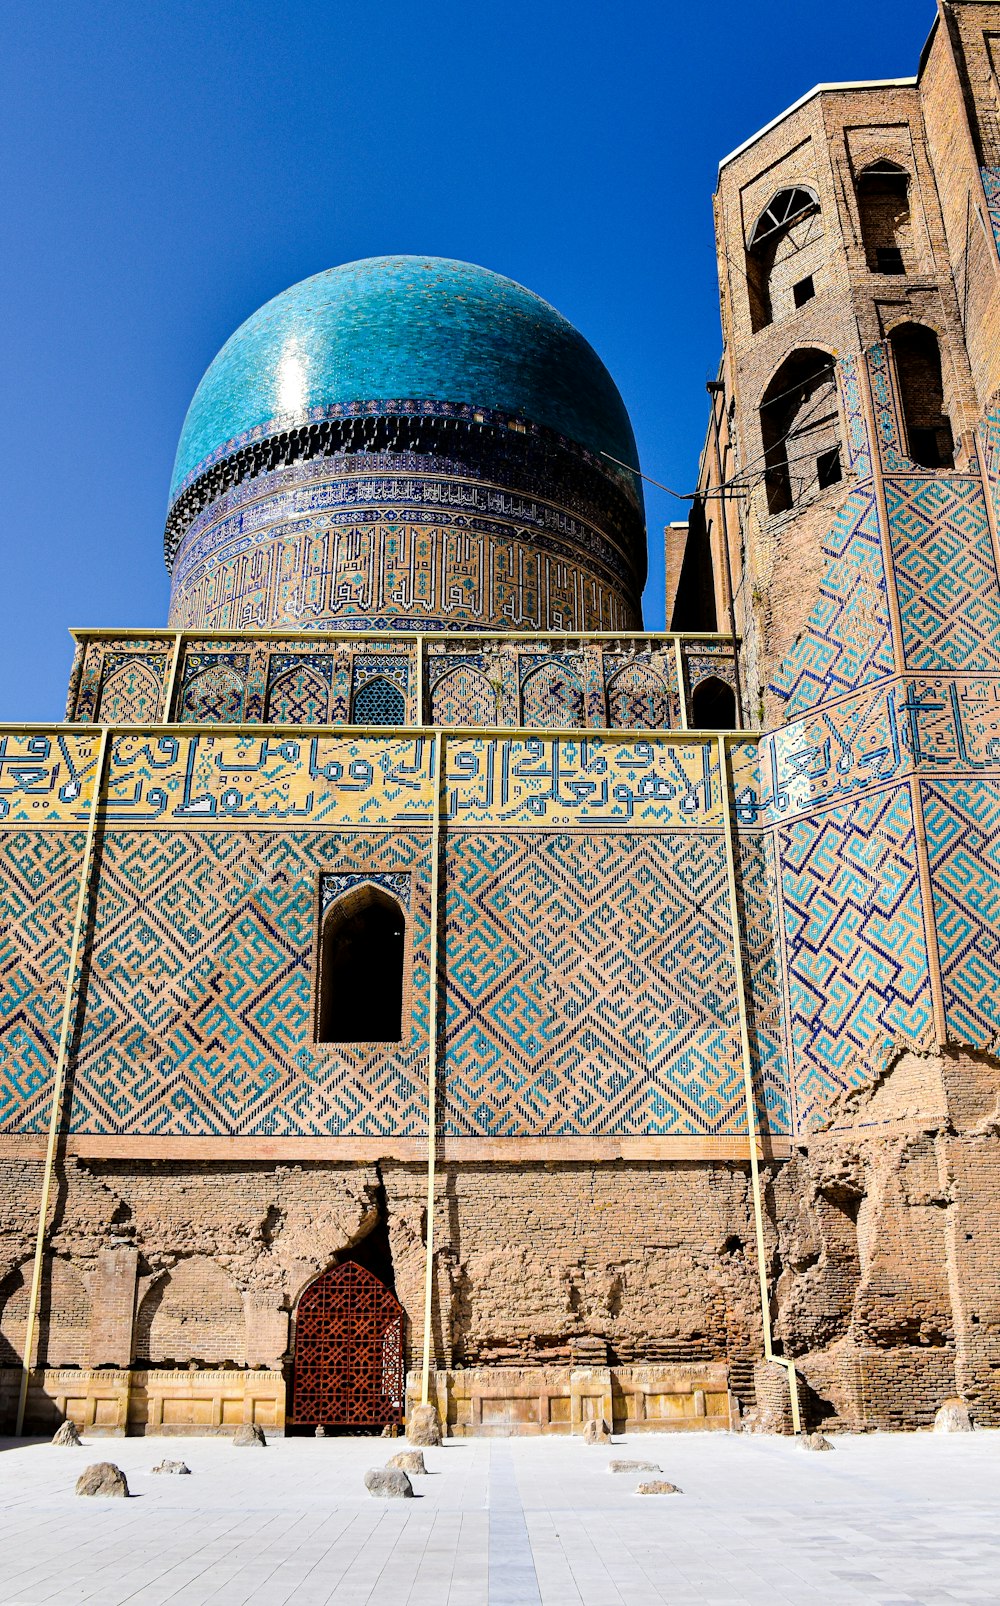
<point>348,1369</point>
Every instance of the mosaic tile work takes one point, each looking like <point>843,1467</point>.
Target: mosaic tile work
<point>552,689</point>
<point>47,779</point>
<point>422,569</point>
<point>132,688</point>
<point>847,642</point>
<point>638,698</point>
<point>962,821</point>
<point>991,186</point>
<point>198,1008</point>
<point>213,689</point>
<point>760,902</point>
<point>859,450</point>
<point>856,949</point>
<point>888,429</point>
<point>946,574</point>
<point>401,327</point>
<point>299,690</point>
<point>573,1004</point>
<point>39,881</point>
<point>464,695</point>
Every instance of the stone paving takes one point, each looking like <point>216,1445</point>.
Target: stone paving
<point>890,1520</point>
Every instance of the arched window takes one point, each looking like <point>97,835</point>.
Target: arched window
<point>361,963</point>
<point>917,358</point>
<point>713,706</point>
<point>800,430</point>
<point>379,702</point>
<point>883,192</point>
<point>782,254</point>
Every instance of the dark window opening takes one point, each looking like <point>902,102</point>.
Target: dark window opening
<point>799,425</point>
<point>784,228</point>
<point>917,359</point>
<point>713,706</point>
<point>379,703</point>
<point>889,259</point>
<point>828,470</point>
<point>883,192</point>
<point>361,964</point>
<point>803,291</point>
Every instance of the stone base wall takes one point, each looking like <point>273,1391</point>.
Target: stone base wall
<point>111,1404</point>
<point>496,1402</point>
<point>561,1288</point>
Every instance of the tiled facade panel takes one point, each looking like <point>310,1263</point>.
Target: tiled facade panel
<point>591,985</point>
<point>856,945</point>
<point>962,821</point>
<point>39,881</point>
<point>198,1010</point>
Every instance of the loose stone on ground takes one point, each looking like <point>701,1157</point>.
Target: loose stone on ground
<point>409,1461</point>
<point>103,1478</point>
<point>69,1433</point>
<point>389,1483</point>
<point>247,1434</point>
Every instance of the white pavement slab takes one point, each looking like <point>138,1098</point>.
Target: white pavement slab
<point>888,1520</point>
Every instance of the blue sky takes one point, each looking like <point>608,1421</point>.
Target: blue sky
<point>168,168</point>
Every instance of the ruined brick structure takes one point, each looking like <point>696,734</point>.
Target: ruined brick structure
<point>404,905</point>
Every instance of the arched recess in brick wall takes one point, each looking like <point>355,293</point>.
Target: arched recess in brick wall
<point>194,1312</point>
<point>713,705</point>
<point>916,356</point>
<point>362,969</point>
<point>63,1316</point>
<point>883,192</point>
<point>800,429</point>
<point>784,251</point>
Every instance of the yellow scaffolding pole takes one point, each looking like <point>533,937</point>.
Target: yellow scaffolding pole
<point>432,1062</point>
<point>59,1078</point>
<point>753,1137</point>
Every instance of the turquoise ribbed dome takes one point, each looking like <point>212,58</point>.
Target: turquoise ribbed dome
<point>402,328</point>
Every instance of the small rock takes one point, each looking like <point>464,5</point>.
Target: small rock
<point>597,1432</point>
<point>389,1483</point>
<point>423,1427</point>
<point>103,1478</point>
<point>633,1466</point>
<point>320,1431</point>
<point>69,1433</point>
<point>816,1441</point>
<point>657,1486</point>
<point>411,1461</point>
<point>172,1466</point>
<point>248,1433</point>
<point>953,1417</point>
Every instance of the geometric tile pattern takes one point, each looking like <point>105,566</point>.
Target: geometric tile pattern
<point>847,642</point>
<point>132,689</point>
<point>214,689</point>
<point>198,1008</point>
<point>991,186</point>
<point>299,691</point>
<point>551,692</point>
<point>575,1003</point>
<point>946,573</point>
<point>761,919</point>
<point>856,948</point>
<point>637,698</point>
<point>463,696</point>
<point>962,819</point>
<point>39,881</point>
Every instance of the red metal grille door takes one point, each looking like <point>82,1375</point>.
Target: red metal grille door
<point>348,1352</point>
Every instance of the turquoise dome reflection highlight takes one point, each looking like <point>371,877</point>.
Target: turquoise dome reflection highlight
<point>402,328</point>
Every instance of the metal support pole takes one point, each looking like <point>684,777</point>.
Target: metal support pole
<point>725,790</point>
<point>175,658</point>
<point>59,1078</point>
<point>432,1061</point>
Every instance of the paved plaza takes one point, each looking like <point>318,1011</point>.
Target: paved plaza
<point>890,1520</point>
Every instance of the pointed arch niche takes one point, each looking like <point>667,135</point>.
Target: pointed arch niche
<point>362,971</point>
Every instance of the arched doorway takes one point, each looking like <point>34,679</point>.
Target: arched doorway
<point>348,1352</point>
